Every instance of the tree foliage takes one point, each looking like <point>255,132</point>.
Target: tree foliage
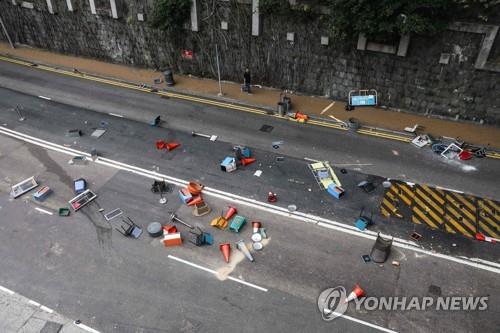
<point>170,15</point>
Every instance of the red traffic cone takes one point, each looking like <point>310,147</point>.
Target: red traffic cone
<point>247,161</point>
<point>255,226</point>
<point>226,250</point>
<point>196,200</point>
<point>483,238</point>
<point>160,144</point>
<point>271,197</point>
<point>172,145</point>
<point>230,213</point>
<point>357,292</point>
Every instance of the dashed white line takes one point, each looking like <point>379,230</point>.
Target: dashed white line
<point>46,309</point>
<point>319,221</point>
<point>6,290</point>
<point>115,115</point>
<point>211,271</point>
<point>47,98</point>
<point>85,327</point>
<point>343,316</point>
<point>34,303</point>
<point>44,211</point>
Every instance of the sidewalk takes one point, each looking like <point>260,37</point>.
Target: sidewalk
<point>267,97</point>
<point>19,314</point>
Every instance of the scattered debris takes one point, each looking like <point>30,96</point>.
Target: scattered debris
<point>335,190</point>
<point>366,258</point>
<point>257,246</point>
<point>130,229</point>
<point>158,81</point>
<point>23,187</point>
<point>42,193</point>
<point>271,197</point>
<point>416,236</point>
<point>236,223</point>
<point>82,199</point>
<point>160,186</point>
<point>174,218</point>
<point>219,222</point>
<point>78,159</point>
<point>257,173</point>
<point>421,141</point>
<point>63,211</point>
<point>292,208</point>
<point>381,249</point>
<point>93,154</point>
<point>212,138</point>
<point>228,164</point>
<point>79,185</point>
<point>465,155</point>
<point>276,144</point>
<point>451,151</point>
<point>112,214</point>
<point>395,263</point>
<point>280,158</point>
<point>155,229</point>
<point>225,248</point>
<point>483,238</point>
<point>363,221</point>
<point>201,209</point>
<point>356,293</point>
<point>98,133</point>
<point>367,186</point>
<point>156,121</point>
<point>73,133</point>
<point>240,245</point>
<point>413,129</point>
<point>173,239</point>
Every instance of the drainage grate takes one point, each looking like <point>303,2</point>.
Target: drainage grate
<point>266,128</point>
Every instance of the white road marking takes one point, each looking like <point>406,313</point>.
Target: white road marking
<point>283,211</point>
<point>34,303</point>
<point>85,327</point>
<point>311,159</point>
<point>47,98</point>
<point>449,189</point>
<point>44,211</point>
<point>343,316</point>
<point>6,290</point>
<point>115,115</point>
<point>46,309</point>
<point>327,108</point>
<point>211,271</point>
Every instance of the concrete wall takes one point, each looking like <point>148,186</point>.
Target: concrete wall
<point>412,79</point>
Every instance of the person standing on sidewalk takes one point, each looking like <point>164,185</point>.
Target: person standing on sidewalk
<point>246,81</point>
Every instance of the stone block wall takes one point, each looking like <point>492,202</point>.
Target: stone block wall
<point>417,82</point>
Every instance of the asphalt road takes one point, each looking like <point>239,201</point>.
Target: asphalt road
<point>366,154</point>
<point>82,268</point>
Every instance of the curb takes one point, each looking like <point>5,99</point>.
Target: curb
<point>219,102</point>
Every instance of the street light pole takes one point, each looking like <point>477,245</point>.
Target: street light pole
<point>218,70</point>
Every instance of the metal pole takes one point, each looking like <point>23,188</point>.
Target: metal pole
<point>218,69</point>
<point>6,33</point>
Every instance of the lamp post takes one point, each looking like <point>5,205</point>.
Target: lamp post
<point>218,70</point>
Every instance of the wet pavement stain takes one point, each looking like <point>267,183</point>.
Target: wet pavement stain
<point>50,165</point>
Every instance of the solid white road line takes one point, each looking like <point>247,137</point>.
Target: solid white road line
<point>34,303</point>
<point>47,98</point>
<point>322,222</point>
<point>115,115</point>
<point>343,316</point>
<point>328,107</point>
<point>46,309</point>
<point>44,211</point>
<point>211,271</point>
<point>85,327</point>
<point>6,290</point>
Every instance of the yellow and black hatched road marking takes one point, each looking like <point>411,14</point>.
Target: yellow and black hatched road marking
<point>488,218</point>
<point>395,199</point>
<point>428,206</point>
<point>446,210</point>
<point>460,214</point>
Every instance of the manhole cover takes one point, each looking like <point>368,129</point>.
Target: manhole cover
<point>266,128</point>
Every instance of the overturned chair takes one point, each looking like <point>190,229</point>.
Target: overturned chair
<point>129,228</point>
<point>381,249</point>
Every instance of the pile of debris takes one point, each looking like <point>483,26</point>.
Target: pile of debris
<point>242,157</point>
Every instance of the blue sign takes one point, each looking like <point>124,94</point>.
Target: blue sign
<point>367,100</point>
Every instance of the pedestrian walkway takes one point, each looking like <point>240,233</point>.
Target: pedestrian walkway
<point>266,97</point>
<point>19,314</point>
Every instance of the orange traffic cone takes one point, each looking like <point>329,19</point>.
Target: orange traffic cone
<point>231,211</point>
<point>357,292</point>
<point>247,161</point>
<point>172,145</point>
<point>160,144</point>
<point>226,250</point>
<point>196,200</point>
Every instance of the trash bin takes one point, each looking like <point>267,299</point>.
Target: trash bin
<point>281,109</point>
<point>169,77</point>
<point>353,124</point>
<point>287,101</point>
